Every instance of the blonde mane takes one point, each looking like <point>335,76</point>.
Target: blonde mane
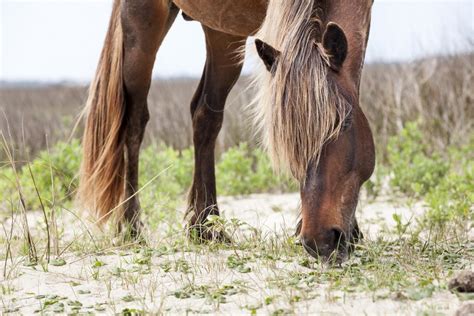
<point>298,108</point>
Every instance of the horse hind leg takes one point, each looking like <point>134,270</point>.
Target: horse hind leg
<point>145,24</point>
<point>221,71</point>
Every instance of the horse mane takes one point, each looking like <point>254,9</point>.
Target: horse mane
<point>299,108</point>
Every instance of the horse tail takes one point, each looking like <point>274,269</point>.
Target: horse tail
<point>102,177</point>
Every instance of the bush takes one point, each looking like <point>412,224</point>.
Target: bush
<point>452,200</point>
<point>244,171</point>
<point>444,181</point>
<point>234,171</point>
<point>414,169</point>
<point>165,176</point>
<point>53,173</point>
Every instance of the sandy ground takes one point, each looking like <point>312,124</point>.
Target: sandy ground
<point>115,281</point>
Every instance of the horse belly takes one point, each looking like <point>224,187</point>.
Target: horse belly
<point>242,17</point>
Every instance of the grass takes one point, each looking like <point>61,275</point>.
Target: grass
<point>90,269</point>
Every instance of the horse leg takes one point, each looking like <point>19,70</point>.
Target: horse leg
<point>145,24</point>
<point>221,71</point>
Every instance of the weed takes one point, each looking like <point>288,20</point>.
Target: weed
<point>58,262</point>
<point>238,263</point>
<point>415,170</point>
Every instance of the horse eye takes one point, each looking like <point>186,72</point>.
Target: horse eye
<point>347,122</point>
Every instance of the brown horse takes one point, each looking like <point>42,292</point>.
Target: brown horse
<point>308,107</point>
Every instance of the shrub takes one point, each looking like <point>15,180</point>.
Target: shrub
<point>444,181</point>
<point>165,176</point>
<point>244,171</point>
<point>53,173</point>
<point>234,171</point>
<point>414,169</point>
<point>452,200</point>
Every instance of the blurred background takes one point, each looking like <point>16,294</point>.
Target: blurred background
<point>419,67</point>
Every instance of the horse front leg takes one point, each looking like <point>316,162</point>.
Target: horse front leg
<point>221,71</point>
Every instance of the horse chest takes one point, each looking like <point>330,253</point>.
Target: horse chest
<point>242,17</point>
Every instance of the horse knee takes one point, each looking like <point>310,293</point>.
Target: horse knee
<point>207,123</point>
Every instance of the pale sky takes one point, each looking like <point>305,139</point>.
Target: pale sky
<point>53,40</point>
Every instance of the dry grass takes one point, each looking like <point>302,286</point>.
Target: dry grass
<point>436,91</point>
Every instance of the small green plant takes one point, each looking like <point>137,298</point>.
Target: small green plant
<point>415,169</point>
<point>212,294</point>
<point>445,182</point>
<point>451,202</point>
<point>242,170</point>
<point>238,263</point>
<point>58,262</point>
<point>53,173</point>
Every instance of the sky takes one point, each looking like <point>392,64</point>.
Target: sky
<point>60,40</point>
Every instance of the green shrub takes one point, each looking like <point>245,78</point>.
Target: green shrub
<point>452,200</point>
<point>165,176</point>
<point>244,171</point>
<point>7,183</point>
<point>53,173</point>
<point>444,181</point>
<point>414,169</point>
<point>234,171</point>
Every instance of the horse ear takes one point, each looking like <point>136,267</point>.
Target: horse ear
<point>336,46</point>
<point>268,54</point>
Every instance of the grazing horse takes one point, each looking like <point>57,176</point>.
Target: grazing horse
<point>308,106</point>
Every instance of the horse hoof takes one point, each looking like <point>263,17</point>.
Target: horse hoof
<point>132,233</point>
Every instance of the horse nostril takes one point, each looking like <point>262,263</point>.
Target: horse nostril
<point>336,239</point>
<point>333,241</point>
